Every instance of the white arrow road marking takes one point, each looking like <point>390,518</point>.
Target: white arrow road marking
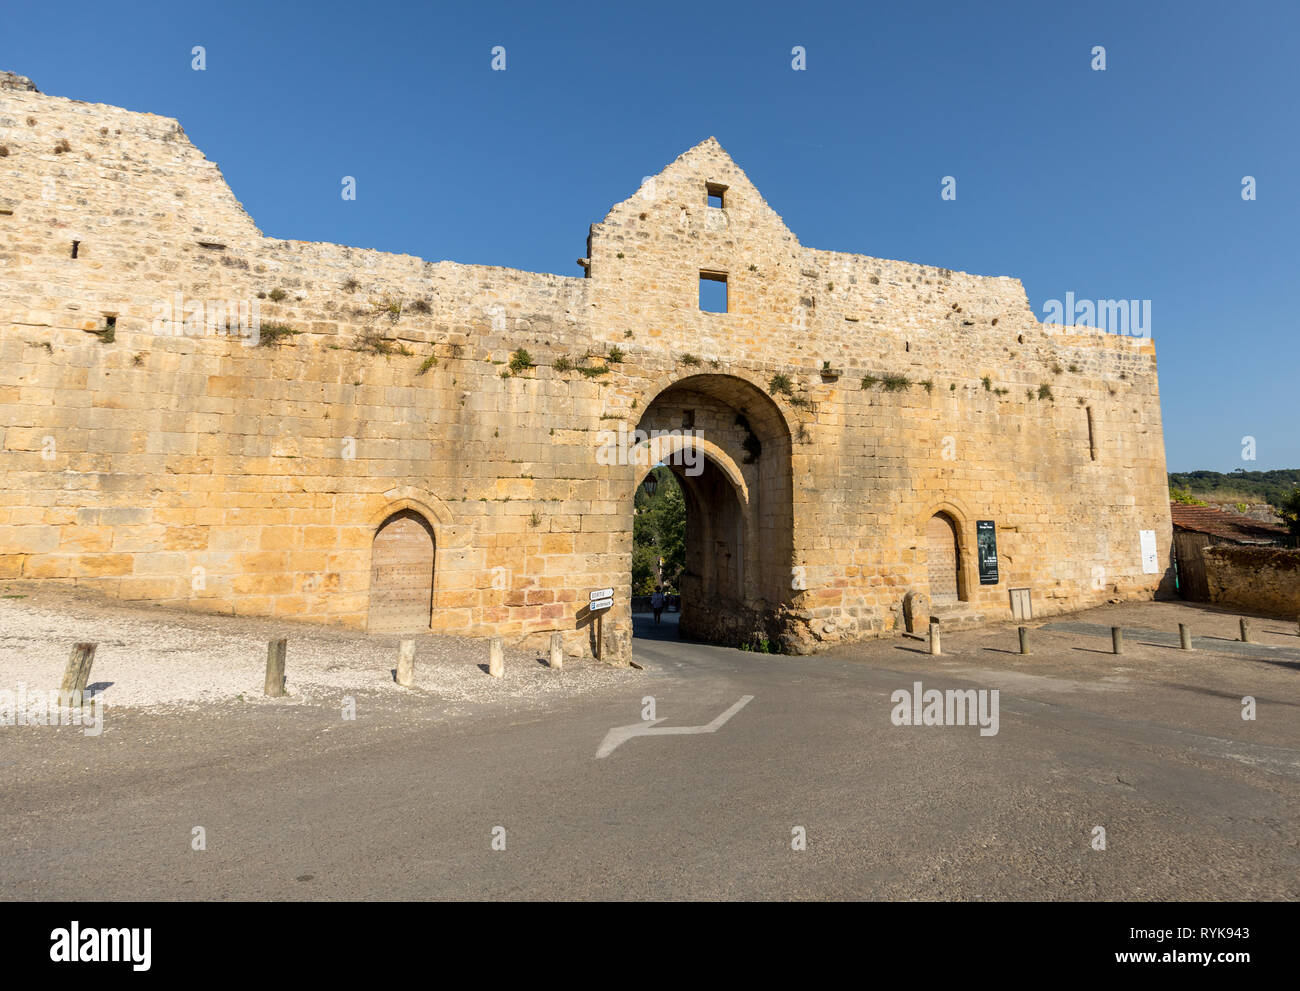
<point>648,727</point>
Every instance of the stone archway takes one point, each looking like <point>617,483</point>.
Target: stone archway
<point>729,446</point>
<point>401,575</point>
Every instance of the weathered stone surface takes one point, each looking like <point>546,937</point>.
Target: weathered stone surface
<point>195,470</point>
<point>11,80</point>
<point>1259,579</point>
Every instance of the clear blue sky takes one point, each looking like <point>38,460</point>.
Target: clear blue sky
<point>1120,184</point>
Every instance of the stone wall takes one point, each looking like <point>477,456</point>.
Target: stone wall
<point>1258,579</point>
<point>184,465</point>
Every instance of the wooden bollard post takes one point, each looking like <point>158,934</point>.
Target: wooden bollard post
<point>1184,636</point>
<point>934,636</point>
<point>557,652</point>
<point>496,658</point>
<point>1117,639</point>
<point>77,673</point>
<point>1245,630</point>
<point>275,651</point>
<point>406,664</point>
<point>1024,638</point>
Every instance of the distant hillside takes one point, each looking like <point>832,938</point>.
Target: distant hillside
<point>1266,486</point>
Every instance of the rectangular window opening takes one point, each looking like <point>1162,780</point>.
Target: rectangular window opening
<point>716,193</point>
<point>713,292</point>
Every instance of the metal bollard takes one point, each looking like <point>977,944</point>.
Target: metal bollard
<point>1184,636</point>
<point>1024,639</point>
<point>1117,639</point>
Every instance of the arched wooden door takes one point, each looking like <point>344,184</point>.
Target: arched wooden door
<point>943,558</point>
<point>401,575</point>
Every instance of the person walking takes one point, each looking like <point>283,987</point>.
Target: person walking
<point>657,603</point>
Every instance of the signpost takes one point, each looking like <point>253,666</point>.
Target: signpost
<point>600,600</point>
<point>986,542</point>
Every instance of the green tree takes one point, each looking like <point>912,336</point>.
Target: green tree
<point>658,530</point>
<point>1290,512</point>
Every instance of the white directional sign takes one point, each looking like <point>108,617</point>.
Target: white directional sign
<point>601,593</point>
<point>596,605</point>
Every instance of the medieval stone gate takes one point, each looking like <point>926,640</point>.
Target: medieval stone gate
<point>858,419</point>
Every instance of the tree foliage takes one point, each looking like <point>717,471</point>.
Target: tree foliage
<point>658,530</point>
<point>1272,487</point>
<point>1290,513</point>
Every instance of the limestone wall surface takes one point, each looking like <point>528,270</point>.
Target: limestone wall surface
<point>149,451</point>
<point>1258,579</point>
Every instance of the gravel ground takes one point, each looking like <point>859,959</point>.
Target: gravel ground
<point>149,657</point>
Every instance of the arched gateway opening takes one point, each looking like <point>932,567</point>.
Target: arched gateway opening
<point>728,445</point>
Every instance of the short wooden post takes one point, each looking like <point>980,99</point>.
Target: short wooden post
<point>406,664</point>
<point>1184,636</point>
<point>934,636</point>
<point>557,652</point>
<point>1024,639</point>
<point>1245,630</point>
<point>496,658</point>
<point>1117,639</point>
<point>275,653</point>
<point>77,674</point>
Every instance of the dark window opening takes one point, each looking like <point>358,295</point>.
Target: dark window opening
<point>75,246</point>
<point>713,292</point>
<point>688,419</point>
<point>716,194</point>
<point>110,322</point>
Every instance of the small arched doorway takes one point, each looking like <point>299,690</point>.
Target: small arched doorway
<point>943,559</point>
<point>401,575</point>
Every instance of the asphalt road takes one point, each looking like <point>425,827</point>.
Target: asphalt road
<point>297,803</point>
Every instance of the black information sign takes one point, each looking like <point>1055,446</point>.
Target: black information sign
<point>986,539</point>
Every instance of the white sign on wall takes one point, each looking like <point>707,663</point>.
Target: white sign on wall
<point>1150,561</point>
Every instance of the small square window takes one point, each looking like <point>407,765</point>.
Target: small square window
<point>716,194</point>
<point>713,292</point>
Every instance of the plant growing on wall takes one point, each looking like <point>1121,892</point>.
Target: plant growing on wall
<point>275,333</point>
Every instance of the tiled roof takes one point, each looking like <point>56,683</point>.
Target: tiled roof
<point>1229,526</point>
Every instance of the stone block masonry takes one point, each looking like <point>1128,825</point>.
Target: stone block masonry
<point>385,458</point>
